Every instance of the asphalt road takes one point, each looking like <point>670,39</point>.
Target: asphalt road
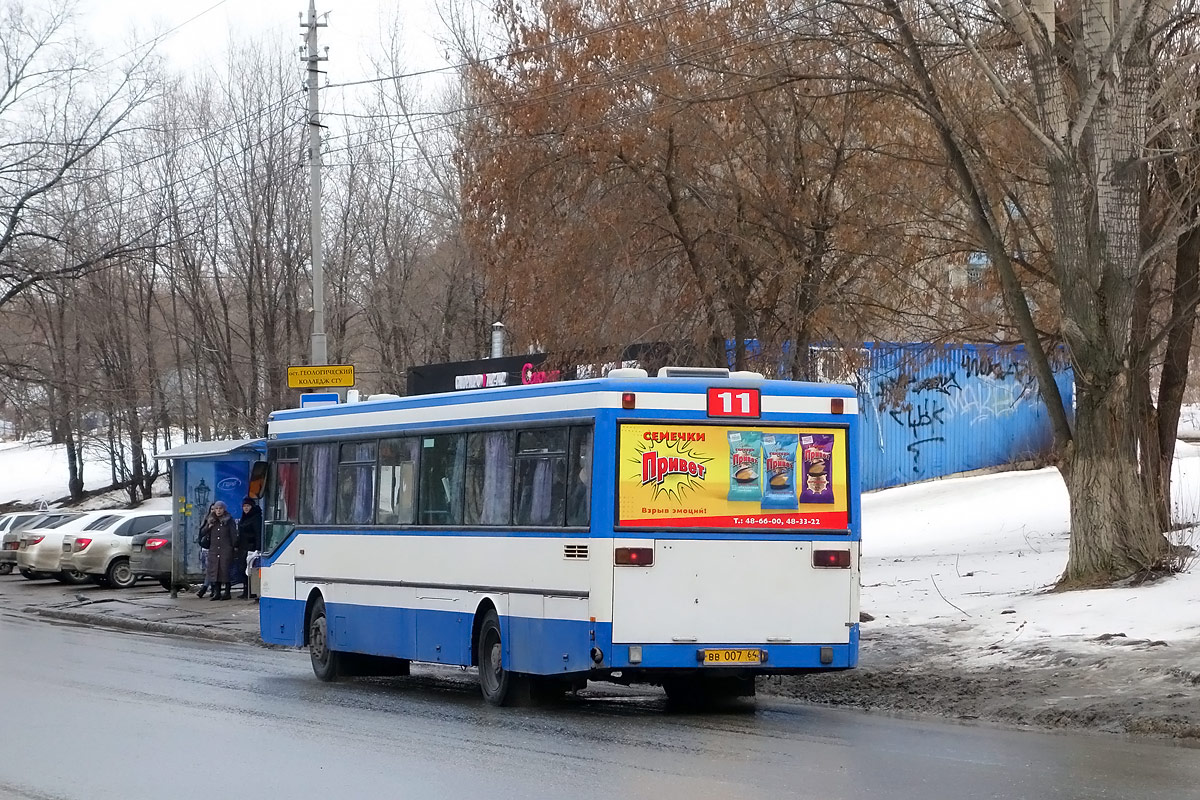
<point>94,714</point>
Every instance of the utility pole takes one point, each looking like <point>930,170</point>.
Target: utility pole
<point>314,160</point>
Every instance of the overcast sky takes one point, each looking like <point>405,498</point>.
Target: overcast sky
<point>356,28</point>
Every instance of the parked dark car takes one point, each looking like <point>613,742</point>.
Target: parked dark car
<point>151,554</point>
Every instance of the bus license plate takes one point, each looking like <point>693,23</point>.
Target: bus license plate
<point>733,656</point>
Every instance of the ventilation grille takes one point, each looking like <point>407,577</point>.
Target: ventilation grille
<point>575,551</point>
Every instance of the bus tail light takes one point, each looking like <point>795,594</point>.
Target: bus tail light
<point>628,401</point>
<point>837,405</point>
<point>634,557</point>
<point>836,559</point>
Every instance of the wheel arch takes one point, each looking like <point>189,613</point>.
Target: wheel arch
<point>314,595</point>
<point>485,605</point>
<point>113,560</point>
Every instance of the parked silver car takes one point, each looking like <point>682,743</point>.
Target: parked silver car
<point>11,523</point>
<point>48,521</point>
<point>102,549</point>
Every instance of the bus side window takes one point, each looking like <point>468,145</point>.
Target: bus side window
<point>541,492</point>
<point>397,481</point>
<point>489,478</point>
<point>356,483</point>
<point>318,465</point>
<point>440,499</point>
<point>579,478</point>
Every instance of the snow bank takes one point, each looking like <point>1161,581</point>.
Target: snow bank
<point>31,472</point>
<point>974,557</point>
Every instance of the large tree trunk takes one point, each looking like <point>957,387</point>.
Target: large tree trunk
<point>1114,530</point>
<point>1175,368</point>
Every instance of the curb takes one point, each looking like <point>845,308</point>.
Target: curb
<point>140,625</point>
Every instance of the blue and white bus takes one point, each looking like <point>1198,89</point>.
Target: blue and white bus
<point>690,530</point>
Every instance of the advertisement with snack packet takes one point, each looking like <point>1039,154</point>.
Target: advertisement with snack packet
<point>717,476</point>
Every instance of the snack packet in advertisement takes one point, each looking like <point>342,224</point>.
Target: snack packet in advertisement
<point>779,470</point>
<point>816,465</point>
<point>744,465</point>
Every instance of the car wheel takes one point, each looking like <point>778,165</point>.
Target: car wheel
<point>6,569</point>
<point>119,575</point>
<point>495,682</point>
<point>72,577</point>
<point>326,663</point>
<point>166,583</point>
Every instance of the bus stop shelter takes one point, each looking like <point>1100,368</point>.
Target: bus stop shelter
<point>201,474</point>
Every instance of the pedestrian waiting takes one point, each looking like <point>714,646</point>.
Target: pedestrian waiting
<point>223,534</point>
<point>250,528</point>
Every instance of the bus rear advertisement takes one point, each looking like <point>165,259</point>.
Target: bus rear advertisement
<point>691,530</point>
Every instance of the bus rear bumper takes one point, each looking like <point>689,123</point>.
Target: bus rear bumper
<point>776,658</point>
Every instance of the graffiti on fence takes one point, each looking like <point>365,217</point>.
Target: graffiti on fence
<point>940,411</point>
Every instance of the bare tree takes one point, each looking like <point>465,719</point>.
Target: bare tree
<point>1078,83</point>
<point>57,109</point>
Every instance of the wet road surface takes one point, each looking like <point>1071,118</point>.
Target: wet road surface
<point>94,714</point>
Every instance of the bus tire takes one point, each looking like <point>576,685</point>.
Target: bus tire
<point>495,682</point>
<point>326,663</point>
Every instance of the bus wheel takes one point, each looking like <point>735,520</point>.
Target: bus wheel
<point>326,663</point>
<point>495,682</point>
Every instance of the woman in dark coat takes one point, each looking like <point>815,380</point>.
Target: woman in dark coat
<point>249,540</point>
<point>223,538</point>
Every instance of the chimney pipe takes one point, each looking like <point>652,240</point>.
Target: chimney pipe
<point>497,339</point>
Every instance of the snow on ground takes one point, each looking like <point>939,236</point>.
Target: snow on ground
<point>974,558</point>
<point>1189,422</point>
<point>31,472</point>
<point>161,501</point>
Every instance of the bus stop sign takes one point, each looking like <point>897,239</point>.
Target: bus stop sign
<point>321,377</point>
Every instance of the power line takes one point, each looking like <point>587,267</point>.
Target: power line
<point>163,35</point>
<point>226,128</point>
<point>709,96</point>
<point>670,10</point>
<point>640,68</point>
<point>650,66</point>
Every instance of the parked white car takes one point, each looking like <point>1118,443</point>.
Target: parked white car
<point>39,550</point>
<point>102,548</point>
<point>9,525</point>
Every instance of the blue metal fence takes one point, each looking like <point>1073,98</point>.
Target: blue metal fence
<point>932,410</point>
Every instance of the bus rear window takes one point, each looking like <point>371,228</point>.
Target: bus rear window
<point>717,477</point>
